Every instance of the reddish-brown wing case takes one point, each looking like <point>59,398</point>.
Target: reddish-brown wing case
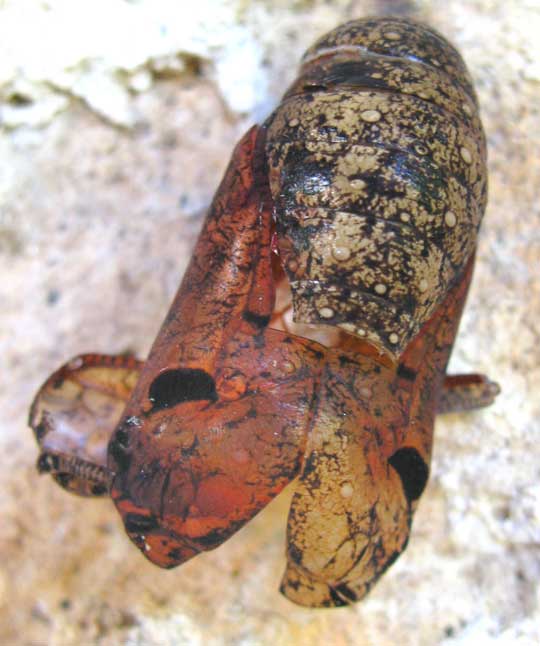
<point>373,169</point>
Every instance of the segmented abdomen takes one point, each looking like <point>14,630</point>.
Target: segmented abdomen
<point>378,174</point>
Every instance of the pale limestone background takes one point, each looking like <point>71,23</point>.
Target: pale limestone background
<point>118,119</point>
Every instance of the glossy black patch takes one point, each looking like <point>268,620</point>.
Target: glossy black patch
<point>338,602</point>
<point>182,385</point>
<point>211,540</point>
<point>47,462</point>
<point>40,430</point>
<point>99,490</point>
<point>139,524</point>
<point>406,373</point>
<point>344,591</point>
<point>412,470</point>
<point>121,437</point>
<point>295,554</point>
<point>63,479</point>
<point>119,449</point>
<point>352,73</point>
<point>176,554</point>
<point>256,319</point>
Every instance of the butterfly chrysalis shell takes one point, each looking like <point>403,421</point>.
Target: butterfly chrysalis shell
<point>377,165</point>
<point>373,168</point>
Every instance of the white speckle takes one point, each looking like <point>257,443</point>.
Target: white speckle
<point>147,547</point>
<point>288,367</point>
<point>341,252</point>
<point>380,288</point>
<point>161,428</point>
<point>466,155</point>
<point>357,184</point>
<point>467,109</point>
<point>450,218</point>
<point>326,312</point>
<point>392,35</point>
<point>346,490</point>
<point>404,217</point>
<point>423,285</point>
<point>360,331</point>
<point>393,338</point>
<point>371,116</point>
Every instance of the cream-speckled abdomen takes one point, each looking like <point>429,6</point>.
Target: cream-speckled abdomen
<point>377,171</point>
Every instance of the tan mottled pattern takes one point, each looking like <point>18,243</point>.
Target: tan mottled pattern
<point>378,172</point>
<point>366,463</point>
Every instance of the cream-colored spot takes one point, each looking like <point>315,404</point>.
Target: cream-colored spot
<point>404,217</point>
<point>393,338</point>
<point>341,253</point>
<point>346,490</point>
<point>423,285</point>
<point>392,35</point>
<point>348,327</point>
<point>326,312</point>
<point>349,187</point>
<point>370,116</point>
<point>421,149</point>
<point>467,109</point>
<point>466,155</point>
<point>293,123</point>
<point>435,62</point>
<point>380,288</point>
<point>357,184</point>
<point>352,164</point>
<point>360,331</point>
<point>147,547</point>
<point>423,95</point>
<point>288,367</point>
<point>450,218</point>
<point>365,392</point>
<point>376,75</point>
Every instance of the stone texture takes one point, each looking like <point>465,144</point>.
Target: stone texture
<point>98,213</point>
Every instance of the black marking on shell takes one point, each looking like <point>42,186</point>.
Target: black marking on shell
<point>412,470</point>
<point>174,387</point>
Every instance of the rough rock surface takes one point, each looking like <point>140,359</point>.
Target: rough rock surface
<point>112,145</point>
